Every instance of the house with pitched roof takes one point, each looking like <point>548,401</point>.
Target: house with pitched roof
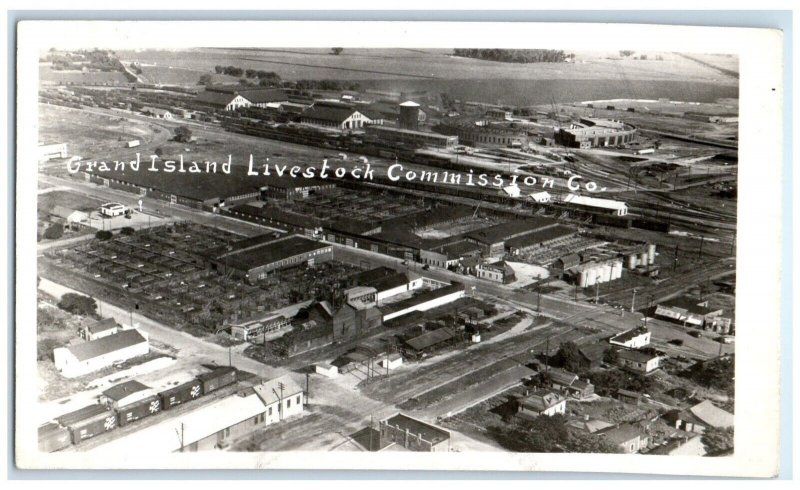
<point>542,402</point>
<point>628,437</point>
<point>700,417</point>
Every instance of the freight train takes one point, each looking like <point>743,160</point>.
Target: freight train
<point>75,427</point>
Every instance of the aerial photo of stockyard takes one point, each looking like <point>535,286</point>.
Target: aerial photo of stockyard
<point>367,250</point>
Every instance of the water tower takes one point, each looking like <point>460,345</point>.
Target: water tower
<point>409,116</point>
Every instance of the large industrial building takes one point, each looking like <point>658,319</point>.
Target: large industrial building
<point>595,132</point>
<point>483,133</point>
<point>596,204</point>
<point>334,115</point>
<point>411,137</point>
<point>493,240</point>
<point>253,258</point>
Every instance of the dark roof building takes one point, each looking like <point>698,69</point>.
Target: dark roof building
<point>253,258</point>
<point>105,345</point>
<point>413,434</point>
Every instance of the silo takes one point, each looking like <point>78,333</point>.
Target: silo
<point>583,279</point>
<point>632,261</point>
<point>651,253</point>
<point>605,270</point>
<point>409,116</point>
<point>643,259</point>
<point>616,269</point>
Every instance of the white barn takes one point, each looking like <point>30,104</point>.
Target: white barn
<point>77,360</point>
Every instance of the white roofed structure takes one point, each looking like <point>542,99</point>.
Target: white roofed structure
<point>409,103</point>
<point>543,196</point>
<point>618,208</point>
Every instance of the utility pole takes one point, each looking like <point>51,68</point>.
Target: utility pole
<point>547,355</point>
<point>633,300</point>
<point>308,385</point>
<point>230,357</point>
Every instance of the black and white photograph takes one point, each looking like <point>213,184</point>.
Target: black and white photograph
<point>478,250</point>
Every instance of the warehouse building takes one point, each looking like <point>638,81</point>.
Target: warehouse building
<point>387,282</point>
<point>687,311</point>
<point>48,152</point>
<point>485,134</point>
<point>290,188</point>
<point>87,357</point>
<point>424,301</point>
<point>596,204</point>
<point>413,435</point>
<point>496,272</point>
<point>552,236</point>
<point>411,137</point>
<point>334,115</point>
<point>253,258</point>
<point>225,101</point>
<point>632,339</point>
<point>450,255</point>
<point>595,132</point>
<point>212,426</point>
<point>492,240</point>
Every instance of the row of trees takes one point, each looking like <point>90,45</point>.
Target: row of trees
<point>548,435</point>
<point>515,55</point>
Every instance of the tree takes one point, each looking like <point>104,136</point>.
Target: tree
<point>54,232</point>
<point>183,134</point>
<point>78,304</point>
<point>580,442</point>
<point>103,235</point>
<point>158,151</point>
<point>717,373</point>
<point>204,80</point>
<point>718,441</point>
<point>611,356</point>
<point>127,230</point>
<point>337,51</point>
<point>568,357</point>
<point>625,53</point>
<point>219,69</point>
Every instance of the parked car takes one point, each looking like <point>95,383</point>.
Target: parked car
<point>696,334</point>
<point>677,342</point>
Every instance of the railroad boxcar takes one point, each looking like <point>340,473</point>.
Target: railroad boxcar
<point>138,410</point>
<point>217,379</point>
<point>88,422</point>
<point>181,394</point>
<point>53,437</point>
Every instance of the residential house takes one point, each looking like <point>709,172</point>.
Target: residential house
<point>628,437</point>
<point>542,402</point>
<point>569,383</point>
<point>98,330</point>
<point>700,417</point>
<point>591,355</point>
<point>638,361</point>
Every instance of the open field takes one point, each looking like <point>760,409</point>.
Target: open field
<point>317,63</point>
<point>97,135</point>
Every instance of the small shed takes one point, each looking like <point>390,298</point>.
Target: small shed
<point>326,370</point>
<point>392,361</point>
